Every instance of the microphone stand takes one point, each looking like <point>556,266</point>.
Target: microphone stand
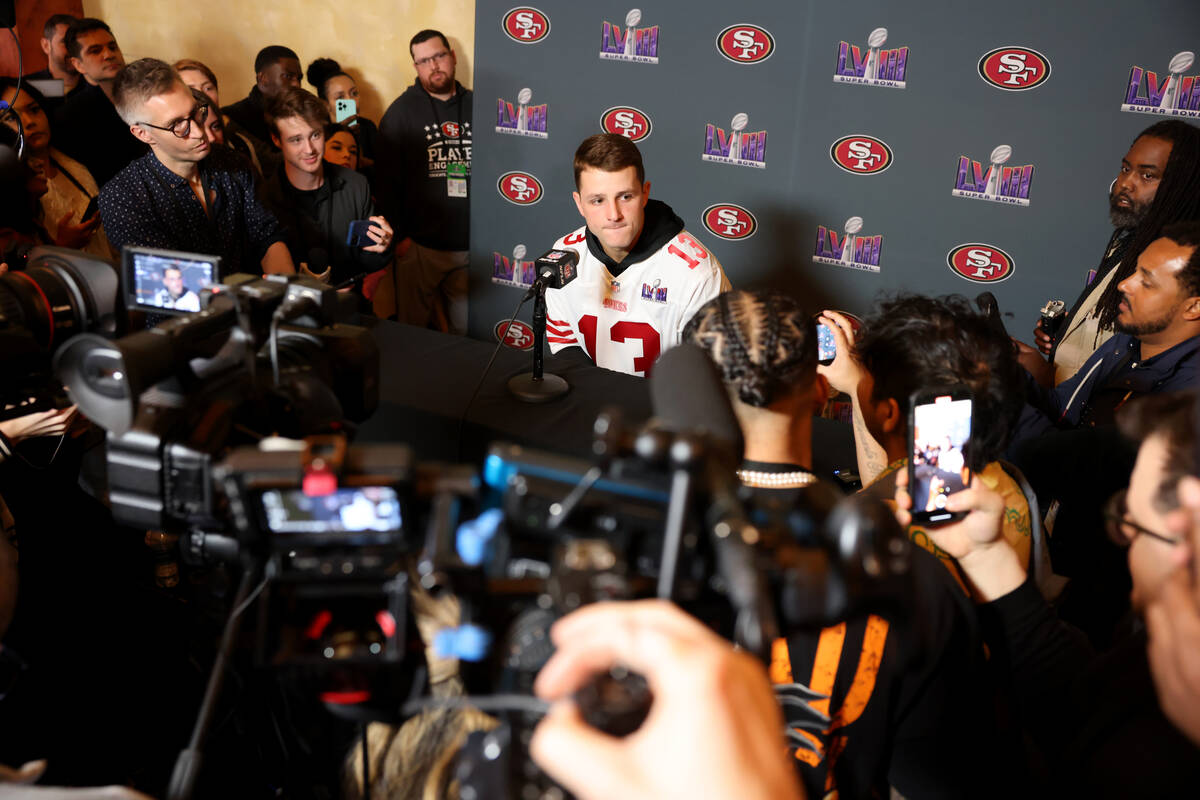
<point>535,387</point>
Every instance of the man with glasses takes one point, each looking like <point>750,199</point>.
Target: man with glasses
<point>1094,720</point>
<point>184,194</point>
<point>87,126</point>
<point>424,175</point>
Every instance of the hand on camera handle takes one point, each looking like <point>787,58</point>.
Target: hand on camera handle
<point>714,728</point>
<point>975,541</point>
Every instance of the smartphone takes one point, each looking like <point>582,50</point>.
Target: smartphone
<point>826,344</point>
<point>91,209</point>
<point>344,108</point>
<point>357,235</point>
<point>939,430</point>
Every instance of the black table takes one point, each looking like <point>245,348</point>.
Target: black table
<point>426,380</point>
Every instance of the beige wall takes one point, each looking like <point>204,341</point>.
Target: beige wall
<point>369,38</point>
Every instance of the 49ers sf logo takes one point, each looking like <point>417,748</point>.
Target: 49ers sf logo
<point>517,335</point>
<point>745,44</point>
<point>1014,69</point>
<point>862,155</point>
<point>520,188</point>
<point>627,121</point>
<point>526,25</point>
<point>729,221</point>
<point>451,130</point>
<point>981,263</point>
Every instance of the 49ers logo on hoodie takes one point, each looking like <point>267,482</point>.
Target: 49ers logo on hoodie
<point>448,142</point>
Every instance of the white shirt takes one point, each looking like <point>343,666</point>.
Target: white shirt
<point>624,323</point>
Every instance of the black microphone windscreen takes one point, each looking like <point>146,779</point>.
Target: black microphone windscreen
<point>559,267</point>
<point>687,395</point>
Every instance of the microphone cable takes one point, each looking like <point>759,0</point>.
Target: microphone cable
<point>479,384</point>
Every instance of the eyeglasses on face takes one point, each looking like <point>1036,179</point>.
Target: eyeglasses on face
<point>425,62</point>
<point>183,127</point>
<point>1121,529</point>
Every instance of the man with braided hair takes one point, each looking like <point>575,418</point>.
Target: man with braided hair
<point>1158,184</point>
<point>904,690</point>
<point>641,275</point>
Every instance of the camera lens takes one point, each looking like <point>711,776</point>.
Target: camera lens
<point>61,293</point>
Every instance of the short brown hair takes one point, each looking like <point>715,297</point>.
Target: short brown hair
<point>1172,416</point>
<point>296,102</point>
<point>608,152</point>
<point>138,82</point>
<point>191,63</point>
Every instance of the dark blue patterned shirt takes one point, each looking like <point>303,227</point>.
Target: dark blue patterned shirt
<point>147,205</point>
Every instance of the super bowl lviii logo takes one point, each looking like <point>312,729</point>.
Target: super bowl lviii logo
<point>851,250</point>
<point>729,221</point>
<point>861,155</point>
<point>877,67</point>
<point>1175,96</point>
<point>745,44</point>
<point>522,119</point>
<point>525,24</point>
<point>515,271</point>
<point>1014,69</point>
<point>741,147</point>
<point>980,263</point>
<point>1000,184</point>
<point>626,121</point>
<point>635,44</point>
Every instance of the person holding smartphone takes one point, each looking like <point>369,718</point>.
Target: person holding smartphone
<point>339,90</point>
<point>326,210</point>
<point>911,345</point>
<point>1093,718</point>
<point>67,208</point>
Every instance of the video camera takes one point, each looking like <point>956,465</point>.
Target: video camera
<point>59,293</point>
<point>262,356</point>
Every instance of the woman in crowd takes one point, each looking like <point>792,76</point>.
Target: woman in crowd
<point>340,146</point>
<point>332,84</point>
<point>199,77</point>
<point>63,189</point>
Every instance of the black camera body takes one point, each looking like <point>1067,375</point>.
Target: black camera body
<point>263,356</point>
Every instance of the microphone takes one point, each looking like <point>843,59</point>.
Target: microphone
<point>555,269</point>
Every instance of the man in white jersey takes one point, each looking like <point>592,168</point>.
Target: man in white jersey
<point>641,275</point>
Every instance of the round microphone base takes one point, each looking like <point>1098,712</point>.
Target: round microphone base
<point>530,390</point>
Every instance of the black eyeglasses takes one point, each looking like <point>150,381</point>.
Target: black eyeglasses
<point>1123,530</point>
<point>183,127</point>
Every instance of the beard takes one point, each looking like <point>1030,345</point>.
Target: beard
<point>444,83</point>
<point>1146,327</point>
<point>1126,217</point>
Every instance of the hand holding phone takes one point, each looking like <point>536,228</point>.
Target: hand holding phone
<point>939,428</point>
<point>826,345</point>
<point>344,108</point>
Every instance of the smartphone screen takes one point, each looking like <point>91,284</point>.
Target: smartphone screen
<point>344,108</point>
<point>826,346</point>
<point>939,430</point>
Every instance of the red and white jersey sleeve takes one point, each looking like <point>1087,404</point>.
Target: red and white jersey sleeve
<point>624,323</point>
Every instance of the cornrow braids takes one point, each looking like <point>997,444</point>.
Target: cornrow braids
<point>1177,199</point>
<point>762,342</point>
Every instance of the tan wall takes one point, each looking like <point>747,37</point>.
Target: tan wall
<point>369,38</point>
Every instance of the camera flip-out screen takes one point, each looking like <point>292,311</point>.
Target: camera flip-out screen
<point>165,281</point>
<point>359,509</point>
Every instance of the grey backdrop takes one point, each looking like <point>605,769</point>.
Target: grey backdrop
<point>1070,128</point>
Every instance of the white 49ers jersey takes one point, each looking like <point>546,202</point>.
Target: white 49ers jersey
<point>625,322</point>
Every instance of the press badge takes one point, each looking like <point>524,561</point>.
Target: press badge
<point>456,179</point>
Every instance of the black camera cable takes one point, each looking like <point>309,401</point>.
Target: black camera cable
<point>479,384</point>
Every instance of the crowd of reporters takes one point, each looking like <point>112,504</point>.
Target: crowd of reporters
<point>1051,641</point>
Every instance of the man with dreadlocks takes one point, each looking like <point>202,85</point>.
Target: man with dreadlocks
<point>903,690</point>
<point>1158,184</point>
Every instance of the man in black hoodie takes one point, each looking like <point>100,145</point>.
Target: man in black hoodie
<point>424,174</point>
<point>641,275</point>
